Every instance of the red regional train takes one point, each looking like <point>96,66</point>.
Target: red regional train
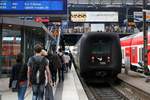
<point>132,47</point>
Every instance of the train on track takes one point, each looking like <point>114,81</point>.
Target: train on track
<point>98,55</point>
<point>132,48</point>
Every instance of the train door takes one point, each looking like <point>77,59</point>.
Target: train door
<point>141,53</point>
<point>128,52</point>
<point>134,56</point>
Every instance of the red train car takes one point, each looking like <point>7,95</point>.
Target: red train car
<point>132,47</point>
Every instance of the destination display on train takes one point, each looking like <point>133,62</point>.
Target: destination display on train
<point>51,5</point>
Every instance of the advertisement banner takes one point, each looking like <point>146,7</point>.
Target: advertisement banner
<point>94,16</point>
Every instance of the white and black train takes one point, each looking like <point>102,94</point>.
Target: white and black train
<point>98,56</point>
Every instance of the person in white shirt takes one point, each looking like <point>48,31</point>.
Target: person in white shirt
<point>66,60</point>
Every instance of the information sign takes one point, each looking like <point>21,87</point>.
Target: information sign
<point>28,6</point>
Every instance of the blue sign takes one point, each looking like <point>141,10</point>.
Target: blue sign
<point>27,6</point>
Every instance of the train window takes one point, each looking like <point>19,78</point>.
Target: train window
<point>134,51</point>
<point>100,51</point>
<point>102,46</point>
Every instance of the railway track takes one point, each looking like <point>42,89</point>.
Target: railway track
<point>106,92</point>
<point>111,91</point>
<point>102,91</point>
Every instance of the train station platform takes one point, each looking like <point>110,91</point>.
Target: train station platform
<point>70,89</point>
<point>136,85</point>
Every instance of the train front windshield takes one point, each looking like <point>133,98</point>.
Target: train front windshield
<point>100,51</point>
<point>101,47</point>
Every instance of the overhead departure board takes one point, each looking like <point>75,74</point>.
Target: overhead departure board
<point>33,6</point>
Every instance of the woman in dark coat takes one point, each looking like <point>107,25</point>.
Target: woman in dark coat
<point>19,73</point>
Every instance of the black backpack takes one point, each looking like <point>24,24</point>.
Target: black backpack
<point>38,71</point>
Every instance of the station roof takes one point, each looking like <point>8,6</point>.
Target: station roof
<point>17,21</point>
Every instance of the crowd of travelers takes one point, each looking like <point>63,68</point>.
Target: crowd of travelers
<point>42,71</point>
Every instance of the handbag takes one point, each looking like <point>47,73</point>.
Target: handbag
<point>49,92</point>
<point>15,85</point>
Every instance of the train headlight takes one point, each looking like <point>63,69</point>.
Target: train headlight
<point>92,58</point>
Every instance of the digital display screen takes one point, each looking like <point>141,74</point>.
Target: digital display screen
<point>33,5</point>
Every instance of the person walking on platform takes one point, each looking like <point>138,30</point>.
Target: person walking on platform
<point>37,66</point>
<point>58,64</point>
<point>19,74</point>
<point>61,57</point>
<point>66,61</point>
<point>71,59</point>
<point>56,61</point>
<point>52,67</point>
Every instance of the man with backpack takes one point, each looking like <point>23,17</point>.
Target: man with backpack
<point>38,68</point>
